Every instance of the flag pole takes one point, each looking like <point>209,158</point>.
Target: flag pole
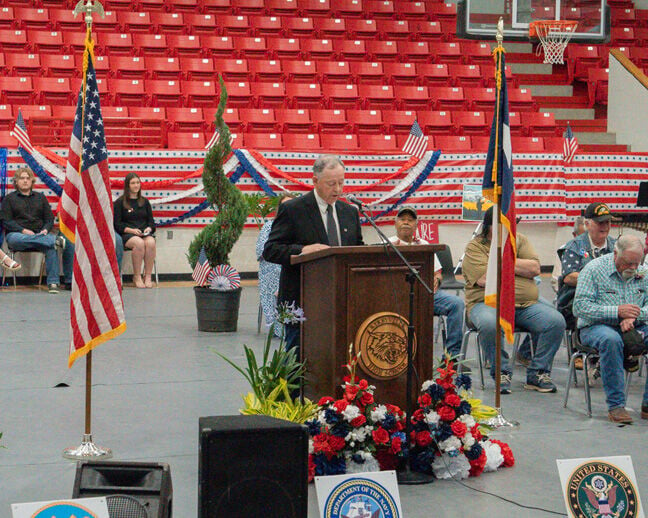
<point>498,421</point>
<point>87,449</point>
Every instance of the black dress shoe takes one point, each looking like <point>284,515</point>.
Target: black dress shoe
<point>66,286</point>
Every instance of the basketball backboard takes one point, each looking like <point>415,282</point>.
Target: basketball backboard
<point>477,19</point>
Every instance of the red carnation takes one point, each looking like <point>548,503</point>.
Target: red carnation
<point>363,385</point>
<point>347,378</point>
<point>507,453</point>
<point>476,433</point>
<point>423,439</point>
<point>350,392</point>
<point>418,416</point>
<point>340,405</point>
<point>392,409</point>
<point>452,400</point>
<point>396,445</point>
<point>380,436</point>
<point>325,401</point>
<point>446,413</point>
<point>321,445</point>
<point>425,400</point>
<point>358,421</point>
<point>386,459</point>
<point>311,468</point>
<point>399,426</point>
<point>445,383</point>
<point>459,429</point>
<point>477,465</point>
<point>367,398</point>
<point>337,443</point>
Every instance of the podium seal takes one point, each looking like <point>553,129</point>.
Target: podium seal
<point>360,498</point>
<point>381,341</point>
<point>598,489</point>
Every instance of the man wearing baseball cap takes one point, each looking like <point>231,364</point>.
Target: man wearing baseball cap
<point>450,306</point>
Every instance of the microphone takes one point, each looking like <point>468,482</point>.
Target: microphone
<point>355,201</point>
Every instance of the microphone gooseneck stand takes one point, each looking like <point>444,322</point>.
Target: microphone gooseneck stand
<point>406,476</point>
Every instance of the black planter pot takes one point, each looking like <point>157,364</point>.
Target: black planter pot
<point>217,311</point>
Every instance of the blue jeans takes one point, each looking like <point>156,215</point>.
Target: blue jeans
<point>541,320</point>
<point>43,243</point>
<point>452,307</point>
<point>609,343</point>
<point>119,250</point>
<point>525,346</point>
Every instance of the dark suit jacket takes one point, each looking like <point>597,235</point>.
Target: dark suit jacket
<point>299,223</point>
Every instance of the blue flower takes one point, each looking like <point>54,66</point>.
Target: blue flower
<point>464,408</point>
<point>422,461</point>
<point>436,392</point>
<point>331,416</point>
<point>474,452</point>
<point>463,380</point>
<point>323,466</point>
<point>421,426</point>
<point>388,422</point>
<point>357,458</point>
<point>443,432</point>
<point>341,429</point>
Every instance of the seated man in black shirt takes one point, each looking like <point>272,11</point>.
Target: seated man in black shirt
<point>28,219</point>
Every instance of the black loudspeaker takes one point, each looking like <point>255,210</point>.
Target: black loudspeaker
<point>252,466</point>
<point>148,483</point>
<point>642,195</point>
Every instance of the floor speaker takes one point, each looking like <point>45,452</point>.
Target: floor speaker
<point>148,483</point>
<point>252,466</point>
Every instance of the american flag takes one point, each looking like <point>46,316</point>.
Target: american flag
<point>214,139</point>
<point>20,132</point>
<point>202,269</point>
<point>498,173</point>
<point>416,143</point>
<point>570,145</point>
<point>96,307</point>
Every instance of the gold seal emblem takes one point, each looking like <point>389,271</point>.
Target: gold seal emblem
<point>381,341</point>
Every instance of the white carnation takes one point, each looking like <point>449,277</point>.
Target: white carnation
<point>451,443</point>
<point>468,420</point>
<point>432,418</point>
<point>468,441</point>
<point>311,449</point>
<point>426,385</point>
<point>378,413</point>
<point>494,457</point>
<point>446,466</point>
<point>369,465</point>
<point>351,412</point>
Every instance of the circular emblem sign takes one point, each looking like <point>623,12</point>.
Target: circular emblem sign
<point>381,341</point>
<point>64,510</point>
<point>360,498</point>
<point>601,490</point>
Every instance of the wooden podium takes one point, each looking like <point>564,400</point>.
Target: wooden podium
<point>359,295</point>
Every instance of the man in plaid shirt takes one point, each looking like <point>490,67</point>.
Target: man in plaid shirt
<point>611,299</point>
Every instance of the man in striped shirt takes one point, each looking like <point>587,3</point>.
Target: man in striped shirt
<point>612,299</point>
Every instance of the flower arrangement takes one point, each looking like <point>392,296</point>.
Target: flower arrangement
<point>355,434</point>
<point>447,441</point>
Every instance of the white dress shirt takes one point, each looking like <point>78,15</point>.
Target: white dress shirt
<point>322,207</point>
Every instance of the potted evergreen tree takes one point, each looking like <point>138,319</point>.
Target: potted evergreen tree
<point>218,294</point>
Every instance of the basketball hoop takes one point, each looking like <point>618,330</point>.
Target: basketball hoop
<point>554,35</point>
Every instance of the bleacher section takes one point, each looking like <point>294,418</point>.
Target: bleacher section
<point>300,74</point>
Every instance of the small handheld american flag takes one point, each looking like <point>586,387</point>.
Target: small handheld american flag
<point>202,269</point>
<point>20,132</point>
<point>416,144</point>
<point>570,146</point>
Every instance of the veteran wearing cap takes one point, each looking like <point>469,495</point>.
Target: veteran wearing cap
<point>450,306</point>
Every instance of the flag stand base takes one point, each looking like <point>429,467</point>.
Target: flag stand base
<point>409,477</point>
<point>499,421</point>
<point>87,450</point>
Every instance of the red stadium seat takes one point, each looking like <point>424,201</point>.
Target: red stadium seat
<point>393,29</point>
<point>115,43</point>
<point>341,96</point>
<point>623,17</point>
<point>527,144</point>
<point>300,71</point>
<point>230,69</point>
<point>436,122</point>
<point>446,51</point>
<point>105,93</point>
<point>580,58</point>
<point>330,27</point>
<point>466,75</point>
<point>230,116</point>
<point>216,6</point>
<point>16,90</point>
<point>179,140</point>
<point>366,121</point>
<point>202,68</point>
<point>330,121</point>
<point>379,9</point>
<point>400,73</point>
<point>639,56</point>
<point>263,141</point>
<point>367,73</point>
<point>446,11</point>
<point>382,50</point>
<point>480,98</point>
<point>342,143</point>
<point>282,7</point>
<point>188,6</point>
<point>108,23</point>
<point>250,47</point>
<point>294,120</point>
<point>23,64</point>
<point>414,51</point>
<point>302,142</point>
<point>162,67</point>
<point>165,92</point>
<point>314,7</point>
<point>8,140</point>
<point>128,92</point>
<point>314,49</point>
<point>427,30</point>
<point>268,94</point>
<point>515,123</point>
<point>129,67</point>
<point>53,90</point>
<point>63,113</point>
<point>488,73</point>
<point>453,143</point>
<point>150,44</point>
<point>350,50</point>
<point>59,65</point>
<point>597,85</point>
<point>268,70</point>
<point>361,29</point>
<point>64,20</point>
<point>32,18</point>
<point>35,111</point>
<point>347,8</point>
<point>298,27</point>
<point>239,93</point>
<point>7,118</point>
<point>151,5</point>
<point>470,123</point>
<point>398,122</point>
<point>131,21</point>
<point>284,48</point>
<point>433,74</point>
<point>186,119</point>
<point>411,10</point>
<point>217,46</point>
<point>198,23</point>
<point>149,116</point>
<point>262,26</point>
<point>304,95</point>
<point>378,143</point>
<point>622,36</point>
<point>184,44</point>
<point>452,98</point>
<point>249,6</point>
<point>101,65</point>
<point>540,124</point>
<point>14,40</point>
<point>477,53</point>
<point>233,25</point>
<point>377,96</point>
<point>520,100</point>
<point>256,119</point>
<point>334,72</point>
<point>8,18</point>
<point>43,42</point>
<point>203,93</point>
<point>167,23</point>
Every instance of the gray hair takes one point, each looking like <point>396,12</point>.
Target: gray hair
<point>326,162</point>
<point>580,220</point>
<point>628,242</point>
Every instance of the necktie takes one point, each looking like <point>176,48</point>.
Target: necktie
<point>331,228</point>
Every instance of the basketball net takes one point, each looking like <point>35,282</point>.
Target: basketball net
<point>554,35</point>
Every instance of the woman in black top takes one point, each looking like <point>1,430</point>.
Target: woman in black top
<point>133,218</point>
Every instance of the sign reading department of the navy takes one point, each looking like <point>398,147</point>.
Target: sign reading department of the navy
<point>359,495</point>
<point>78,508</point>
<point>604,487</point>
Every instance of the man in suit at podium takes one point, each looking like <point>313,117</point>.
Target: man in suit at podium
<point>312,222</point>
